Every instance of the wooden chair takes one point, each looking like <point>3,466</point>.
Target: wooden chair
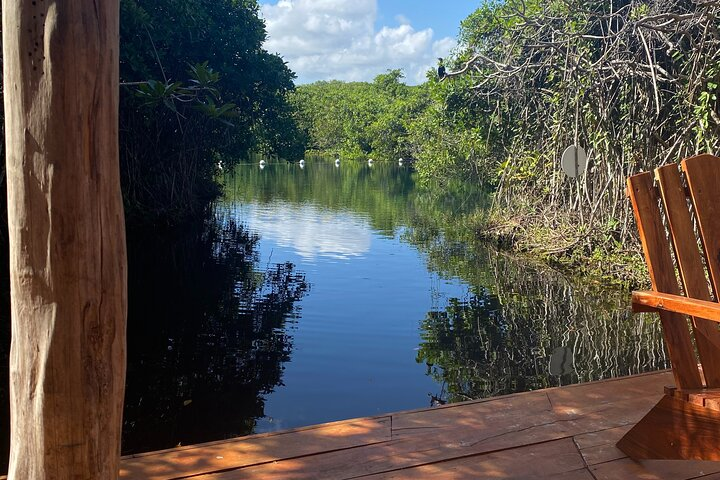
<point>678,218</point>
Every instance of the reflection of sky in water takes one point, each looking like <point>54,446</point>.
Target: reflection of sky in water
<point>356,336</point>
<point>312,232</point>
<point>357,333</point>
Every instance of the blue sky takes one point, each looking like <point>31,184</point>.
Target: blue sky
<point>443,17</point>
<point>355,40</point>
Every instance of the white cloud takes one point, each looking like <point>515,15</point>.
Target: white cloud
<point>337,39</point>
<point>442,47</point>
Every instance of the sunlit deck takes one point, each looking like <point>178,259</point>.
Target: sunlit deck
<point>559,433</point>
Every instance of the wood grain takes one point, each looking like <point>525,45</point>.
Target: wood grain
<point>710,311</point>
<point>452,441</point>
<point>685,422</point>
<point>675,429</point>
<point>255,450</point>
<point>552,460</point>
<point>645,199</point>
<point>690,264</point>
<point>702,173</point>
<point>626,468</point>
<point>67,238</point>
<point>558,433</point>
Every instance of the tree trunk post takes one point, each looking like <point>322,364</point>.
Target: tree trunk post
<point>67,238</point>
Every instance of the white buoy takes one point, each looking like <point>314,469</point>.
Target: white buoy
<point>400,161</point>
<point>337,162</point>
<point>262,166</point>
<point>301,163</point>
<point>370,161</point>
<point>262,163</point>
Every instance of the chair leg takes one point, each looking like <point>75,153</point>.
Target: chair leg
<point>674,430</point>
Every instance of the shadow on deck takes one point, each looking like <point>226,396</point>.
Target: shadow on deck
<point>559,433</point>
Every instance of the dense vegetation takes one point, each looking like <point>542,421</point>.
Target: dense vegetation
<point>199,89</point>
<point>357,119</point>
<point>633,82</point>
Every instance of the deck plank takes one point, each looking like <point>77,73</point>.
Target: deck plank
<point>254,450</point>
<point>442,444</point>
<point>602,437</point>
<point>596,394</point>
<point>493,414</point>
<point>601,454</point>
<point>549,460</point>
<point>564,433</point>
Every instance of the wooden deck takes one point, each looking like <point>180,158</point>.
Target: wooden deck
<point>560,433</point>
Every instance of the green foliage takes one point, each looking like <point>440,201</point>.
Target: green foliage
<point>360,119</point>
<point>201,93</point>
<point>153,92</point>
<point>706,109</point>
<point>199,88</point>
<point>635,83</point>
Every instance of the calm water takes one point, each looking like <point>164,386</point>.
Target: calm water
<point>317,294</point>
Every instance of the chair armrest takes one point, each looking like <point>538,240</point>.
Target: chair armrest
<point>650,301</point>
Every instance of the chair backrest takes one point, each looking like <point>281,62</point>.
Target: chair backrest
<point>678,218</point>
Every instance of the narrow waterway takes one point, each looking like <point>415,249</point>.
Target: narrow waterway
<point>328,292</point>
<point>400,313</point>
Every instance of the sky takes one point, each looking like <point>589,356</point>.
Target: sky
<point>355,40</point>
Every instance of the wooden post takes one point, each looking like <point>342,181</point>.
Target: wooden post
<point>67,238</point>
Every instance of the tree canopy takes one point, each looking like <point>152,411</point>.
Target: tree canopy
<point>198,89</point>
<point>359,119</point>
<point>633,82</point>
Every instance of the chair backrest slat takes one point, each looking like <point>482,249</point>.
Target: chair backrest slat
<point>703,178</point>
<point>690,264</point>
<point>645,201</point>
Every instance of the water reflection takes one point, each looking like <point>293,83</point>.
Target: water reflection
<point>524,328</point>
<point>497,337</point>
<point>310,231</point>
<point>383,194</point>
<point>208,334</point>
<point>212,325</point>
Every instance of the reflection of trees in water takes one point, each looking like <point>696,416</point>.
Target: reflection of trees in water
<point>384,192</point>
<point>501,338</point>
<point>207,334</point>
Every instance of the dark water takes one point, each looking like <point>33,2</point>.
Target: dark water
<point>323,293</point>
